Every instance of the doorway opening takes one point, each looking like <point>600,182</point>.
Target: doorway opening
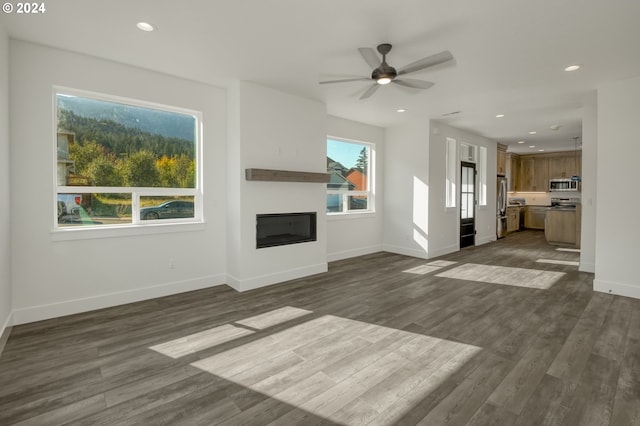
<point>467,204</point>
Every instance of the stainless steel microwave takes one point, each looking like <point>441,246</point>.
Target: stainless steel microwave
<point>557,185</point>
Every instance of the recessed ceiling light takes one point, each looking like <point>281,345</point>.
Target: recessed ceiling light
<point>555,127</point>
<point>145,26</point>
<point>401,110</point>
<point>532,133</point>
<point>532,146</point>
<point>541,150</point>
<point>499,115</point>
<point>572,68</point>
<point>520,141</point>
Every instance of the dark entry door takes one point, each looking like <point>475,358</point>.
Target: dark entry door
<point>467,204</point>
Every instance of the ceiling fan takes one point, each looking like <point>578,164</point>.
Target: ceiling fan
<point>383,73</point>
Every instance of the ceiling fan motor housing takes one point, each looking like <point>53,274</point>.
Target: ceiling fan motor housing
<point>384,71</point>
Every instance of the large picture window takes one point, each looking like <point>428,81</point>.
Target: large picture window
<point>350,165</point>
<point>123,162</point>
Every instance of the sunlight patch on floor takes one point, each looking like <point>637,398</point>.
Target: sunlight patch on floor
<point>518,277</point>
<point>559,262</point>
<point>429,267</point>
<point>198,341</point>
<point>275,317</point>
<point>341,369</point>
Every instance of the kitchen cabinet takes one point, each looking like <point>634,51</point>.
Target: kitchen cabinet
<point>502,160</point>
<point>535,170</point>
<point>541,175</point>
<point>533,174</point>
<point>534,217</point>
<point>513,218</point>
<point>561,226</point>
<point>513,168</point>
<point>564,165</point>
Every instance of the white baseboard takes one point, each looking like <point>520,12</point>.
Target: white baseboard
<point>587,267</point>
<point>69,307</point>
<point>421,254</point>
<point>5,332</point>
<point>485,239</point>
<point>444,250</point>
<point>278,277</point>
<point>620,289</point>
<point>347,254</point>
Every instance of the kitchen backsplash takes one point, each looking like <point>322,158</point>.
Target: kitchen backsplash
<point>541,198</point>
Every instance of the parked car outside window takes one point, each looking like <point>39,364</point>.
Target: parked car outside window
<point>168,210</point>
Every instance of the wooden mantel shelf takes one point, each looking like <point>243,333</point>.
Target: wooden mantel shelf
<point>286,176</point>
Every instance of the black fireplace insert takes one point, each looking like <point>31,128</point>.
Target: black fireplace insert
<point>285,228</point>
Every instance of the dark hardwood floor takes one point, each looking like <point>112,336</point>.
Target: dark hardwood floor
<point>485,336</point>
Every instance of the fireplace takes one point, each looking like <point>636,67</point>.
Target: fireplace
<point>285,228</point>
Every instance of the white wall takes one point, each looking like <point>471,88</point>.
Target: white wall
<point>416,222</point>
<point>52,278</point>
<point>275,130</point>
<point>5,225</point>
<point>589,180</point>
<point>406,188</point>
<point>445,223</point>
<point>359,234</point>
<point>617,209</point>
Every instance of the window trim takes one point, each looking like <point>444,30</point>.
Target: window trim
<point>126,229</point>
<point>483,181</point>
<point>371,206</point>
<point>451,172</point>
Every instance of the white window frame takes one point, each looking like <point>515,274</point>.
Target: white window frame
<point>451,173</point>
<point>88,231</point>
<point>482,176</point>
<point>370,194</point>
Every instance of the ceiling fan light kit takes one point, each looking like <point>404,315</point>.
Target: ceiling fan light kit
<point>383,73</point>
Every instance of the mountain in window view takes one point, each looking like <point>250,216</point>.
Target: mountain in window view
<point>168,124</point>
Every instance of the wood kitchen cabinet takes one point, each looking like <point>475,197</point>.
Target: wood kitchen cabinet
<point>502,160</point>
<point>535,170</point>
<point>534,217</point>
<point>541,174</point>
<point>513,219</point>
<point>564,165</point>
<point>560,227</point>
<point>513,168</point>
<point>534,174</point>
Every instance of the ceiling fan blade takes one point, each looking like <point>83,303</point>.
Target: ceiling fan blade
<point>370,57</point>
<point>370,91</point>
<point>415,84</point>
<point>345,80</point>
<point>427,62</point>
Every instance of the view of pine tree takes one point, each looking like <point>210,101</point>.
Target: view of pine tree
<point>362,163</point>
<point>122,140</point>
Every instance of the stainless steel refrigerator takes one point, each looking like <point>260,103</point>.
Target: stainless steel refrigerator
<point>501,208</point>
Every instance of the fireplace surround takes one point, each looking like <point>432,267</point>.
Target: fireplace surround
<point>277,229</point>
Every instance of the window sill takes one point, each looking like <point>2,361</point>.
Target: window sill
<point>71,234</point>
<point>351,215</point>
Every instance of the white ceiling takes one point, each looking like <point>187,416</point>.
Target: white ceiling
<point>509,54</point>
